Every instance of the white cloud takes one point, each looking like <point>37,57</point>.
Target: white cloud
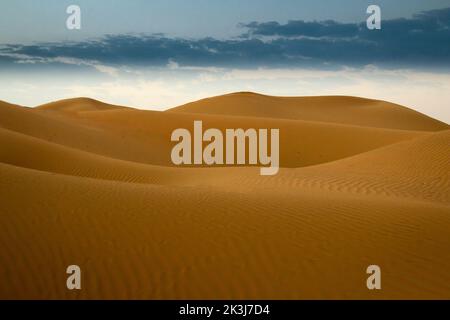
<point>27,59</point>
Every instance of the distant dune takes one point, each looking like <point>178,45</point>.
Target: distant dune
<point>361,182</point>
<point>334,109</point>
<point>76,105</point>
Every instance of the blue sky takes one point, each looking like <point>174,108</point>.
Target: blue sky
<point>43,20</point>
<point>157,54</point>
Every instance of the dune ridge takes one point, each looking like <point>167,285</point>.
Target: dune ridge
<point>361,182</point>
<point>131,135</point>
<point>76,105</point>
<point>334,109</point>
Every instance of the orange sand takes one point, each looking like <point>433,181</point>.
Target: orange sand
<point>362,182</point>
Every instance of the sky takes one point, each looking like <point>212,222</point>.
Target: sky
<point>43,20</point>
<point>162,53</point>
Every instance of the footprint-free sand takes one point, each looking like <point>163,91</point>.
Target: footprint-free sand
<point>361,182</point>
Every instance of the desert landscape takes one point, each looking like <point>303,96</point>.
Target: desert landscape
<point>361,182</point>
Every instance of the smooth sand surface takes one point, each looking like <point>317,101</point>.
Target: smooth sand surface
<point>361,182</point>
<point>335,109</point>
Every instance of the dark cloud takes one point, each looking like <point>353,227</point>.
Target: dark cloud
<point>299,28</point>
<point>421,41</point>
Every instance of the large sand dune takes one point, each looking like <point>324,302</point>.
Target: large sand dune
<point>335,109</point>
<point>361,182</point>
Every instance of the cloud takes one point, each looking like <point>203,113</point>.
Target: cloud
<point>418,42</point>
<point>299,28</point>
<point>20,58</point>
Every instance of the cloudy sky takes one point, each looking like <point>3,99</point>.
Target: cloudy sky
<point>158,54</point>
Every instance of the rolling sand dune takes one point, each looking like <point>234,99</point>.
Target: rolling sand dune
<point>335,109</point>
<point>362,182</point>
<point>307,142</point>
<point>77,105</point>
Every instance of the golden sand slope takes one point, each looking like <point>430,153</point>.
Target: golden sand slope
<point>86,183</point>
<point>77,105</point>
<point>335,109</point>
<point>135,135</point>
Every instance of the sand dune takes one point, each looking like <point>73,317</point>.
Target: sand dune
<point>88,183</point>
<point>334,109</point>
<point>77,105</point>
<point>132,135</point>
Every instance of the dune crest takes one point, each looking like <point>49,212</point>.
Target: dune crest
<point>77,105</point>
<point>334,109</point>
